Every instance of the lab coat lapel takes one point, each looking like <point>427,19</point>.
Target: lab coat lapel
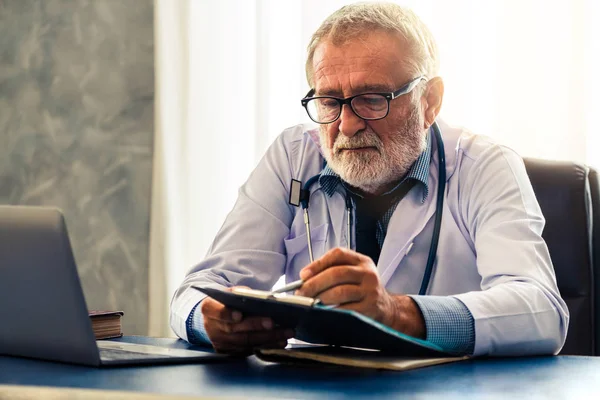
<point>411,215</point>
<point>337,215</point>
<point>408,220</point>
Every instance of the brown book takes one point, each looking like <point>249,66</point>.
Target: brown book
<point>106,324</point>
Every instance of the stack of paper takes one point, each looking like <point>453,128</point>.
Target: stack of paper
<point>352,357</point>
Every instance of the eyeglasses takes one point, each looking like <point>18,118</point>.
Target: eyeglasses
<point>368,106</point>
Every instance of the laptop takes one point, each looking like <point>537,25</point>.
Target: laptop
<point>43,313</point>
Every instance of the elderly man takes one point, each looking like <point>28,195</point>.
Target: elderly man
<point>386,181</point>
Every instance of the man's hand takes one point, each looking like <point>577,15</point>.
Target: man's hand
<point>350,280</point>
<point>230,332</point>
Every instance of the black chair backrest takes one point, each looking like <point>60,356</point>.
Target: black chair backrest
<point>563,192</point>
<point>595,192</point>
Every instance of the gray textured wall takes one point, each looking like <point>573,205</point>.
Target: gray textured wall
<point>76,131</point>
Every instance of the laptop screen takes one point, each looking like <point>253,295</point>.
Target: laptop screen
<point>43,313</point>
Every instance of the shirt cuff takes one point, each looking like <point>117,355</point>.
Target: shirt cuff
<point>195,328</point>
<point>449,323</point>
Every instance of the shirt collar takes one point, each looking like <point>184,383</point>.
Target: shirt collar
<point>419,171</point>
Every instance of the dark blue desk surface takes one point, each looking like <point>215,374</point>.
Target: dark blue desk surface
<point>537,377</point>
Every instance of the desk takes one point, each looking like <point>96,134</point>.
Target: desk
<point>537,377</point>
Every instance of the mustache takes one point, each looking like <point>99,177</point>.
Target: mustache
<point>361,139</point>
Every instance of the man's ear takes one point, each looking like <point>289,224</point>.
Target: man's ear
<point>432,100</point>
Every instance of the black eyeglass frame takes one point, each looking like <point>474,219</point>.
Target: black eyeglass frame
<point>407,88</point>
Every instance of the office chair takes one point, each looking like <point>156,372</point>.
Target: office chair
<point>568,194</point>
<point>594,179</point>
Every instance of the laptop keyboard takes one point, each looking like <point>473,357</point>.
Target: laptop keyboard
<point>119,355</point>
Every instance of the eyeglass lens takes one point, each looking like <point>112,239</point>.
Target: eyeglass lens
<point>366,106</point>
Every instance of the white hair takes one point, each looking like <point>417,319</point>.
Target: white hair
<point>350,21</point>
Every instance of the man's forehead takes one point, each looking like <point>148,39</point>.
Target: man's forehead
<point>355,76</point>
<point>343,88</point>
<point>374,62</point>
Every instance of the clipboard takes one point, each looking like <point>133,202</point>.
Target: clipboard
<point>315,323</point>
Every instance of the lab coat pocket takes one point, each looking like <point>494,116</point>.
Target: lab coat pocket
<point>297,248</point>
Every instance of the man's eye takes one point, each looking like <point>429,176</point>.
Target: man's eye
<point>328,103</point>
<point>372,100</point>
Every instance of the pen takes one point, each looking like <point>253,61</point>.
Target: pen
<point>289,287</point>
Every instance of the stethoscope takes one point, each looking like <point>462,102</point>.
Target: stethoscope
<point>300,195</point>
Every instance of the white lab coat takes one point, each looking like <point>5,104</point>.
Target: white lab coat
<point>490,256</point>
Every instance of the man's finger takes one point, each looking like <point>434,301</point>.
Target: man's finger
<point>331,277</point>
<point>334,257</point>
<point>343,294</point>
<point>248,324</point>
<point>212,309</point>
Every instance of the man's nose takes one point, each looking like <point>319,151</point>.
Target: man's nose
<point>350,123</point>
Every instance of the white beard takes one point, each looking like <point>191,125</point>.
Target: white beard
<point>372,170</point>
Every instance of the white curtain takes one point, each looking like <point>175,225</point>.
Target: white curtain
<point>230,74</point>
